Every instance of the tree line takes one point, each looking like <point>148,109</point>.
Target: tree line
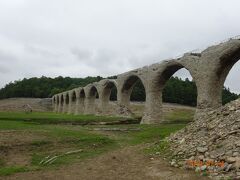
<point>176,90</point>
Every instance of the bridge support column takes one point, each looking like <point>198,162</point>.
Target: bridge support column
<point>64,109</point>
<point>55,107</point>
<point>77,104</point>
<point>90,107</point>
<point>81,105</point>
<point>209,96</point>
<point>54,104</point>
<point>60,105</point>
<point>153,113</point>
<point>70,104</point>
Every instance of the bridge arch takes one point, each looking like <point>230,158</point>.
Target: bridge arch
<point>159,76</point>
<point>125,90</point>
<point>61,103</point>
<point>106,87</point>
<point>65,102</point>
<point>215,64</point>
<point>82,99</point>
<point>223,68</point>
<point>91,93</point>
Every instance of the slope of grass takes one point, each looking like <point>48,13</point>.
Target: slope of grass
<point>180,116</point>
<point>54,118</point>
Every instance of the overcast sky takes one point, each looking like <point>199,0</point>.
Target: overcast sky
<point>79,38</point>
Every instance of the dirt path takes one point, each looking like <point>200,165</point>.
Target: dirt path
<point>125,164</point>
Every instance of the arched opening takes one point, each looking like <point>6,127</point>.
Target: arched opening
<point>179,94</point>
<point>134,95</point>
<point>231,89</point>
<point>67,99</point>
<point>54,105</point>
<point>228,76</point>
<point>82,97</point>
<point>74,102</point>
<point>93,92</point>
<point>180,89</point>
<point>61,103</point>
<point>109,98</point>
<point>82,94</point>
<point>74,97</point>
<point>223,65</point>
<point>62,99</point>
<point>57,104</point>
<point>57,100</point>
<point>92,101</point>
<point>66,104</point>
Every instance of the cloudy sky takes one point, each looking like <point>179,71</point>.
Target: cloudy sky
<point>79,38</point>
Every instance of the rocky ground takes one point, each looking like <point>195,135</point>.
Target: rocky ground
<point>211,144</point>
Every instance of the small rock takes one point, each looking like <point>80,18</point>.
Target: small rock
<point>228,167</point>
<point>232,108</point>
<point>180,153</point>
<point>235,154</point>
<point>202,149</point>
<point>229,153</point>
<point>182,141</point>
<point>237,143</point>
<point>201,157</point>
<point>206,154</point>
<point>231,160</point>
<point>173,163</point>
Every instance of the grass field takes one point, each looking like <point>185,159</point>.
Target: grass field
<point>38,141</point>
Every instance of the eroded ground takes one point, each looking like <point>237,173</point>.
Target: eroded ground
<point>35,146</point>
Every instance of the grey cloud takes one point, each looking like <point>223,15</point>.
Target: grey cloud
<point>81,38</point>
<point>4,70</point>
<point>7,57</point>
<point>82,54</point>
<point>41,51</point>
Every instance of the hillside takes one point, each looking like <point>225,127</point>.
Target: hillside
<point>17,104</point>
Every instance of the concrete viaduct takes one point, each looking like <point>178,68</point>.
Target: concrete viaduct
<point>208,69</point>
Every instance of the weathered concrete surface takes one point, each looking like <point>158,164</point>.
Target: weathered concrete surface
<point>208,69</point>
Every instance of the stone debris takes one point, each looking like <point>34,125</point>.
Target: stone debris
<point>211,144</point>
<point>124,111</point>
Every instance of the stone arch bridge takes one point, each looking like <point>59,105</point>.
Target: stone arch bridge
<point>208,69</point>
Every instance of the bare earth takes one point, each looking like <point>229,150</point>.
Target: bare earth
<point>127,163</point>
<point>16,104</point>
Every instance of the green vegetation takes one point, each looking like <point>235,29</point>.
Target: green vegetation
<point>5,171</point>
<point>176,90</point>
<point>150,133</point>
<point>43,87</point>
<point>180,116</point>
<point>53,118</point>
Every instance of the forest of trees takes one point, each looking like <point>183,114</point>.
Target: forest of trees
<point>176,90</point>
